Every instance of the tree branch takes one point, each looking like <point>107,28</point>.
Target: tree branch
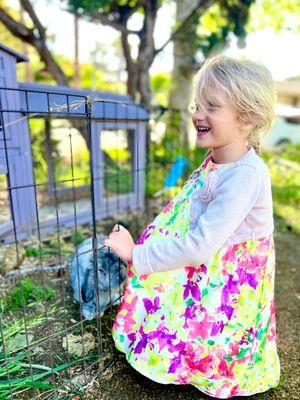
<point>104,19</point>
<point>38,42</point>
<point>34,18</point>
<point>203,4</point>
<point>16,28</point>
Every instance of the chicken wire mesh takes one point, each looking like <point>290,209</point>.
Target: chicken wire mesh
<point>80,166</point>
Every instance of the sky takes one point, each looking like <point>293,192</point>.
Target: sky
<point>276,51</point>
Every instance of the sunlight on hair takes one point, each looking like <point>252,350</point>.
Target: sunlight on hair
<point>249,87</point>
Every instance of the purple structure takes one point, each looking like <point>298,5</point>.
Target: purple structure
<point>105,111</point>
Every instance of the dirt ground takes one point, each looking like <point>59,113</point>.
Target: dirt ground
<point>121,381</point>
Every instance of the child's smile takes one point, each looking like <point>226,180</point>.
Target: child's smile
<point>217,127</point>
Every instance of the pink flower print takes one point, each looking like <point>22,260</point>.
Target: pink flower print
<point>230,254</point>
<point>234,349</point>
<point>168,207</point>
<point>234,390</point>
<point>264,244</point>
<point>201,329</point>
<point>129,273</point>
<point>206,161</point>
<point>159,288</point>
<point>191,271</point>
<point>224,370</point>
<point>127,319</point>
<point>204,365</point>
<point>193,362</point>
<point>143,277</point>
<point>183,380</point>
<point>150,307</point>
<point>192,288</point>
<point>254,262</point>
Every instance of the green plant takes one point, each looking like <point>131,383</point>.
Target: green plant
<point>77,237</point>
<point>25,293</point>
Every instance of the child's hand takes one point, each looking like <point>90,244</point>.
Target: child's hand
<point>121,242</point>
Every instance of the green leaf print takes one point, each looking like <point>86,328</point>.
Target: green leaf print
<point>242,353</point>
<point>189,302</point>
<point>256,358</point>
<point>204,292</point>
<point>135,284</point>
<point>261,333</point>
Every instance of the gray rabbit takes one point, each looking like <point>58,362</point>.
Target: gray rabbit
<point>111,277</point>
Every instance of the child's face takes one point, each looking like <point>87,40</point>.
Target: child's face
<point>222,120</point>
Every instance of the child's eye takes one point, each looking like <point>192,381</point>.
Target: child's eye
<point>210,105</point>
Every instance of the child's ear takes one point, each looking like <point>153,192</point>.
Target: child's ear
<point>252,121</point>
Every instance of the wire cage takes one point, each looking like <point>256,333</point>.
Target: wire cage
<point>46,342</point>
<point>72,166</point>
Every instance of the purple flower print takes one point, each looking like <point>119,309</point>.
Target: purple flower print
<point>231,287</point>
<point>150,307</point>
<point>192,288</point>
<point>244,277</point>
<point>141,345</point>
<point>216,328</point>
<point>227,309</point>
<point>189,311</point>
<point>145,234</point>
<point>164,338</point>
<point>175,363</point>
<point>180,347</point>
<point>131,337</point>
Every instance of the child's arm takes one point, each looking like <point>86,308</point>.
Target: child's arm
<point>233,200</point>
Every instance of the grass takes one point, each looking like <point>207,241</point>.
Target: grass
<point>284,167</point>
<point>24,360</point>
<point>25,293</point>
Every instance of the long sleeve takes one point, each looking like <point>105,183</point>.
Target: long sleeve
<point>232,200</point>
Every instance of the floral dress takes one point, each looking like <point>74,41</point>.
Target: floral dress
<point>212,326</point>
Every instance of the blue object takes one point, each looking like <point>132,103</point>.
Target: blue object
<point>111,274</point>
<point>176,172</point>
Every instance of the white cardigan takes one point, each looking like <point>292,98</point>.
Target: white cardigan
<point>237,207</point>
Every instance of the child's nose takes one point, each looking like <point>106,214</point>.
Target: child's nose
<point>198,114</point>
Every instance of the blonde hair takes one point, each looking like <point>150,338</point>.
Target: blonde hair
<point>250,88</point>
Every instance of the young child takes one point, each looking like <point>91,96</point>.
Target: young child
<point>198,306</point>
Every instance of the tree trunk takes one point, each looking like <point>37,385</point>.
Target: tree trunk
<point>183,71</point>
<point>76,51</point>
